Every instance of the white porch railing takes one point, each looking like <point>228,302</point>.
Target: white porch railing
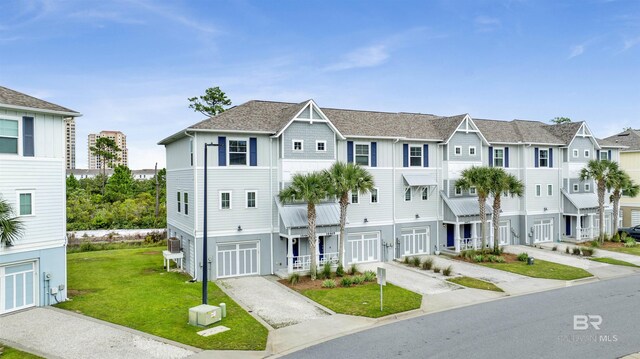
<point>472,243</point>
<point>329,258</point>
<point>303,263</point>
<point>589,233</point>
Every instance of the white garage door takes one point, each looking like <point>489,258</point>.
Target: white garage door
<point>416,241</point>
<point>505,234</point>
<point>543,231</point>
<point>635,217</point>
<point>365,247</point>
<point>238,259</point>
<point>17,287</point>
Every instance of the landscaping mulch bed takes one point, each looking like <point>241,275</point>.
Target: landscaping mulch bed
<point>305,283</point>
<point>508,258</point>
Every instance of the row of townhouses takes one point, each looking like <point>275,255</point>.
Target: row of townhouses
<point>415,207</point>
<point>32,180</point>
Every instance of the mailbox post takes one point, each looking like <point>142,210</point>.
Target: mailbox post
<point>382,280</point>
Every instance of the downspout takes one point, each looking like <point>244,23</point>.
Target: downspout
<point>271,198</point>
<point>438,200</point>
<point>393,193</point>
<point>195,212</point>
<point>526,213</point>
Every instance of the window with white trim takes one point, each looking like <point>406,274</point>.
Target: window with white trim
<point>225,200</point>
<point>549,190</point>
<point>179,203</point>
<point>362,154</point>
<point>538,190</point>
<point>457,150</point>
<point>407,194</point>
<point>576,188</point>
<point>191,150</point>
<point>186,203</point>
<point>472,150</point>
<point>587,154</point>
<point>8,136</point>
<point>297,145</point>
<point>425,194</point>
<point>498,157</point>
<point>458,191</point>
<point>415,156</point>
<point>604,155</point>
<point>321,146</point>
<point>238,152</point>
<point>587,187</point>
<point>252,199</point>
<point>543,158</point>
<point>473,191</point>
<point>355,198</point>
<point>576,153</point>
<point>25,204</point>
<point>374,195</point>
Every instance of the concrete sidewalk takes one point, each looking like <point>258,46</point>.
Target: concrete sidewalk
<point>54,333</point>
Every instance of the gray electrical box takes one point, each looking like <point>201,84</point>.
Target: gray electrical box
<point>204,315</point>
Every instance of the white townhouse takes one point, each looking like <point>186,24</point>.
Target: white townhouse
<point>415,208</point>
<point>32,179</point>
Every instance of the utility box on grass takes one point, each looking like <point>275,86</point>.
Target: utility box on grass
<point>204,315</point>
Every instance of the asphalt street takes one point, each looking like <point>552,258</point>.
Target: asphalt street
<point>538,325</point>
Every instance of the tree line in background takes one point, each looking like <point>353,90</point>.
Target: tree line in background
<point>117,202</point>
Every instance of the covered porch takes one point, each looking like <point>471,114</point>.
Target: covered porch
<point>463,224</point>
<point>294,230</point>
<point>581,217</point>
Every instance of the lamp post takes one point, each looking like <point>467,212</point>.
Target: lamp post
<point>205,267</point>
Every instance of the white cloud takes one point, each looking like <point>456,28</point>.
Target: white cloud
<point>370,56</point>
<point>576,50</point>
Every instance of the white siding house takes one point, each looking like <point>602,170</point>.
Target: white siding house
<point>32,180</point>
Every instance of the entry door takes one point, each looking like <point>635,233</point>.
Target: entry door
<point>567,229</point>
<point>467,231</point>
<point>364,247</point>
<point>505,233</point>
<point>321,247</point>
<point>239,259</point>
<point>18,287</point>
<point>450,235</point>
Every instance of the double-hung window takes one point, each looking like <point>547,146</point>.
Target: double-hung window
<point>251,199</point>
<point>472,150</point>
<point>538,190</point>
<point>425,194</point>
<point>544,158</point>
<point>186,203</point>
<point>238,152</point>
<point>374,195</point>
<point>457,150</point>
<point>587,187</point>
<point>225,200</point>
<point>472,191</point>
<point>587,154</point>
<point>407,194</point>
<point>458,191</point>
<point>550,190</point>
<point>179,203</point>
<point>25,203</point>
<point>415,156</point>
<point>498,157</point>
<point>604,155</point>
<point>355,198</point>
<point>8,136</point>
<point>362,154</point>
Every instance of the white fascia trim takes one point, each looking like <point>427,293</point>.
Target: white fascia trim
<point>234,232</point>
<point>183,133</point>
<point>295,117</point>
<point>39,110</point>
<point>20,248</point>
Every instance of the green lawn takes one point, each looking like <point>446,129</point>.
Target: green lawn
<point>613,261</point>
<point>541,269</point>
<point>11,353</point>
<point>629,250</point>
<point>364,299</point>
<point>129,287</point>
<point>475,283</point>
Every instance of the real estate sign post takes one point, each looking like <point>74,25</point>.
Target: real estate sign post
<point>382,280</point>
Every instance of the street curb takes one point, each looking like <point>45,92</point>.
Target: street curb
<point>25,349</point>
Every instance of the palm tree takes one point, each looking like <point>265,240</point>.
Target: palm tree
<point>310,188</point>
<point>342,179</point>
<point>480,178</point>
<point>622,184</point>
<point>10,227</point>
<point>502,183</point>
<point>599,171</point>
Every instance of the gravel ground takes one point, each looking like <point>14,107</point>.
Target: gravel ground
<point>62,335</point>
<point>412,280</point>
<point>271,301</point>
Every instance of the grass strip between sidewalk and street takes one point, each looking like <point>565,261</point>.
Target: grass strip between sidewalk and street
<point>364,299</point>
<point>541,269</point>
<point>12,353</point>
<point>129,287</point>
<point>614,261</point>
<point>475,283</point>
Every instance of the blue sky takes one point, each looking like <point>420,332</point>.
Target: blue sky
<point>131,65</point>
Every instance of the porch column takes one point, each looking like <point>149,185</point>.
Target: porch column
<point>317,250</point>
<point>289,256</point>
<point>474,235</point>
<point>456,236</point>
<point>343,250</point>
<point>578,229</point>
<point>592,224</point>
<point>490,236</point>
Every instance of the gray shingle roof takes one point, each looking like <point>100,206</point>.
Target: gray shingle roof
<point>499,131</point>
<point>370,123</point>
<point>15,98</point>
<point>629,138</point>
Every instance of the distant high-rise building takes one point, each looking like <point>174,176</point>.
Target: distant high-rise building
<point>121,141</point>
<point>70,142</point>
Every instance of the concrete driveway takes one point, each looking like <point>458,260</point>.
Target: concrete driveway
<point>54,333</point>
<point>414,280</point>
<point>277,305</point>
<point>630,258</point>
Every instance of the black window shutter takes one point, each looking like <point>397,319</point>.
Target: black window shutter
<point>27,137</point>
<point>490,156</point>
<point>405,155</point>
<point>550,157</point>
<point>253,151</point>
<point>425,156</point>
<point>374,154</point>
<point>222,151</point>
<point>506,157</point>
<point>536,157</point>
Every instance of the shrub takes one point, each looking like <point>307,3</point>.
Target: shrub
<point>595,244</point>
<point>354,269</point>
<point>623,236</point>
<point>477,258</point>
<point>436,269</point>
<point>587,252</point>
<point>328,283</point>
<point>357,279</point>
<point>629,243</point>
<point>326,271</point>
<point>447,271</point>
<point>369,276</point>
<point>340,271</point>
<point>87,247</point>
<point>415,261</point>
<point>576,251</point>
<point>294,278</point>
<point>491,258</point>
<point>567,250</point>
<point>346,282</point>
<point>463,254</point>
<point>497,251</point>
<point>522,257</point>
<point>606,238</point>
<point>616,238</point>
<point>405,260</point>
<point>555,248</point>
<point>427,264</point>
<point>500,260</point>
